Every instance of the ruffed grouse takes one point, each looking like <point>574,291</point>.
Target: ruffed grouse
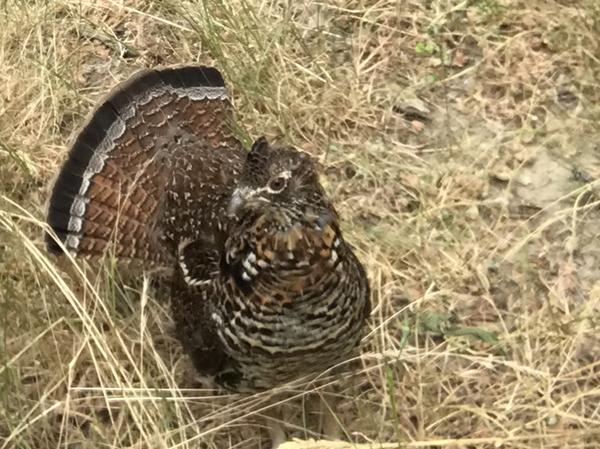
<point>265,289</point>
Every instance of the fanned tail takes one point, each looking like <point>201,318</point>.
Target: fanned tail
<point>109,191</point>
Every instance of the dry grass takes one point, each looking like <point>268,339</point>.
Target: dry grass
<point>460,141</point>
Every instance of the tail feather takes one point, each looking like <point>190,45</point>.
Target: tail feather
<point>109,190</point>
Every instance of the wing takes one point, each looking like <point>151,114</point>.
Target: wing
<point>111,191</point>
<point>195,328</point>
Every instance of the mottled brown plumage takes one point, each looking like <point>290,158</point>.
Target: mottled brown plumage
<point>264,287</point>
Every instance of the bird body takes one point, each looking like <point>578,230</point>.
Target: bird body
<point>264,287</point>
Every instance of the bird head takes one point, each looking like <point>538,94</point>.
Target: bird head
<point>285,229</point>
<point>280,184</point>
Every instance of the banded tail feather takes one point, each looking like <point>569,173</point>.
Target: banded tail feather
<point>111,187</point>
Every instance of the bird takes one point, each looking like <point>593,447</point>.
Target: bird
<point>263,287</point>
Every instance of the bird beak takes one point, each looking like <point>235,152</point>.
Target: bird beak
<point>236,203</point>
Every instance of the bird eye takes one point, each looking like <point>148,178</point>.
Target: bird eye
<point>277,184</point>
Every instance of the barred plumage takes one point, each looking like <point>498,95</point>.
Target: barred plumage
<point>264,287</point>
